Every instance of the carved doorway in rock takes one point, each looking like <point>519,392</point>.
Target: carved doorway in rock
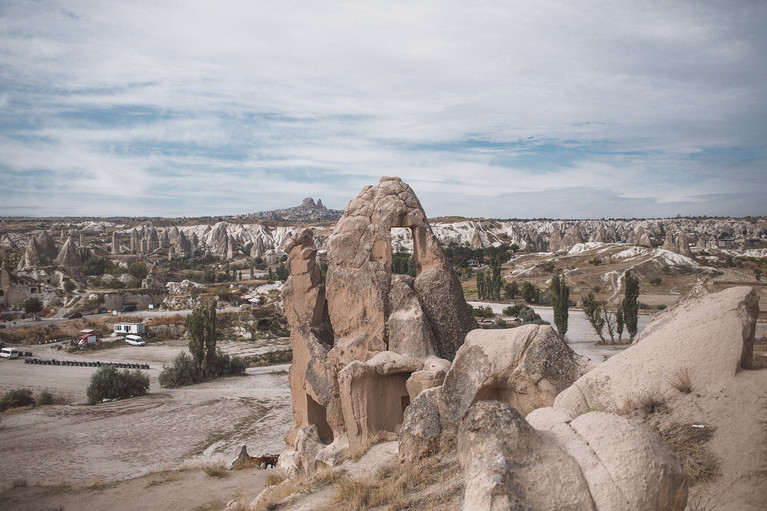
<point>317,414</point>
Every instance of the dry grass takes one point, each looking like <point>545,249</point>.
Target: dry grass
<point>18,483</point>
<point>699,505</point>
<point>215,469</point>
<point>688,443</point>
<point>176,319</point>
<point>400,487</point>
<point>213,505</point>
<point>681,381</point>
<point>647,404</point>
<point>275,479</point>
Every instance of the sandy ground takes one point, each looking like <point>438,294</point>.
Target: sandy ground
<point>75,447</point>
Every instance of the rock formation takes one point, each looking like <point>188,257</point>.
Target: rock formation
<point>708,337</point>
<point>525,367</point>
<point>596,462</point>
<point>360,338</point>
<point>69,260</point>
<point>40,252</point>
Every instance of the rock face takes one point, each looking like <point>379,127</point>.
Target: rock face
<point>598,461</point>
<point>69,260</point>
<point>707,336</point>
<point>359,339</point>
<point>525,367</point>
<point>359,276</point>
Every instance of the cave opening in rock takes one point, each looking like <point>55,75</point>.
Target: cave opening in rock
<point>387,401</point>
<point>317,415</point>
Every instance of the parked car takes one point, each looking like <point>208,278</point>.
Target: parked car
<point>135,340</point>
<point>74,315</point>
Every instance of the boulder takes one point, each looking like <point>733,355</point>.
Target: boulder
<point>525,367</point>
<point>708,337</point>
<point>598,461</point>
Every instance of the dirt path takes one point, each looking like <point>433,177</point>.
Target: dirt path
<point>69,455</point>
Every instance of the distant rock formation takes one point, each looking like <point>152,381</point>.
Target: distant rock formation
<point>69,260</point>
<point>308,211</point>
<point>41,251</point>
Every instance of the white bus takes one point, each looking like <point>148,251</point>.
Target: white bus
<point>9,353</point>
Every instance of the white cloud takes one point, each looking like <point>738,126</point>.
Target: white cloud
<point>648,100</point>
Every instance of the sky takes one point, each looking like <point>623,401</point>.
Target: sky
<point>508,109</point>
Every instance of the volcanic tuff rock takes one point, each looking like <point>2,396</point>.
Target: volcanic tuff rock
<point>599,462</point>
<point>359,274</point>
<point>708,337</point>
<point>525,367</point>
<point>69,259</point>
<point>308,211</point>
<point>358,338</point>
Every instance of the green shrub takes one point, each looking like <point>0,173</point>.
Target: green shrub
<point>109,383</point>
<point>182,372</point>
<point>16,398</point>
<point>482,312</point>
<point>32,305</point>
<point>526,315</point>
<point>226,364</point>
<point>45,398</point>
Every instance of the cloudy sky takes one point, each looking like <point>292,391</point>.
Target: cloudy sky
<point>505,109</point>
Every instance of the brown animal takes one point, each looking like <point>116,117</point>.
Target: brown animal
<point>268,460</point>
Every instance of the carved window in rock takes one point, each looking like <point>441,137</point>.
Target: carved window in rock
<point>403,251</point>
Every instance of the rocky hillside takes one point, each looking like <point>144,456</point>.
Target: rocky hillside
<point>308,211</point>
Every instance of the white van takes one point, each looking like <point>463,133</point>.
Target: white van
<point>9,353</point>
<point>135,340</point>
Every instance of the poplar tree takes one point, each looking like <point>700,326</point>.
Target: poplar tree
<point>631,304</point>
<point>560,300</point>
<point>201,324</point>
<point>593,310</point>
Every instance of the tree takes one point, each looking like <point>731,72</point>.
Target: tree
<point>631,304</point>
<point>282,272</point>
<point>593,310</point>
<point>32,305</point>
<point>609,321</point>
<point>201,325</point>
<point>529,292</point>
<point>511,289</point>
<point>109,383</point>
<point>138,270</point>
<point>560,300</point>
<point>620,322</point>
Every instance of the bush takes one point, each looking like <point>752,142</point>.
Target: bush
<point>182,372</point>
<point>109,383</point>
<point>45,398</point>
<point>482,312</point>
<point>32,305</point>
<point>185,372</point>
<point>226,365</point>
<point>526,315</point>
<point>16,398</point>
